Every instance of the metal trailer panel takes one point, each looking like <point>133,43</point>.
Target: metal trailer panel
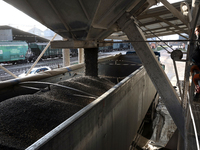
<point>109,122</point>
<point>13,51</point>
<point>49,52</point>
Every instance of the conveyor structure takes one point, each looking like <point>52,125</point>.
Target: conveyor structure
<point>86,24</point>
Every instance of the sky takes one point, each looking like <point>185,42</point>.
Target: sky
<point>9,15</point>
<point>15,18</point>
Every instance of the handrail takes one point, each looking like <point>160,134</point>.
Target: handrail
<point>193,122</point>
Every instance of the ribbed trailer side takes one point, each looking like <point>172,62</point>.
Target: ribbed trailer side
<point>13,51</point>
<point>109,122</point>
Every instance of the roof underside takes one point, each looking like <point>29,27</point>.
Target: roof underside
<point>158,21</point>
<point>96,19</point>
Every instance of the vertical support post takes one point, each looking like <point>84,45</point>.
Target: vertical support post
<point>66,57</point>
<point>155,71</point>
<point>187,75</point>
<point>91,61</point>
<point>195,15</point>
<point>80,55</point>
<point>177,78</point>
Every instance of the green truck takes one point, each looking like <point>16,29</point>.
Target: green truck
<point>36,48</point>
<point>13,52</point>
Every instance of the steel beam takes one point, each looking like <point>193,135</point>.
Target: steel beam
<point>77,44</point>
<point>175,12</point>
<point>171,24</point>
<point>164,34</point>
<point>155,71</point>
<point>158,21</point>
<point>158,11</point>
<point>168,27</point>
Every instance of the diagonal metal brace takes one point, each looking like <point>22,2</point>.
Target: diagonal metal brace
<point>155,71</point>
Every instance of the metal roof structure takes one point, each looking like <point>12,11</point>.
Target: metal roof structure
<point>19,35</point>
<point>162,22</point>
<point>159,21</point>
<point>96,20</point>
<point>79,20</point>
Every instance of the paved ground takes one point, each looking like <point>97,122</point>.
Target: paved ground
<point>162,113</point>
<point>169,67</point>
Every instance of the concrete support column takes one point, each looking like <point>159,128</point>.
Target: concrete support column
<point>91,61</point>
<point>66,57</point>
<point>80,55</point>
<point>155,71</point>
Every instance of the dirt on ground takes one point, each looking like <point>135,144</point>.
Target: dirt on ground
<point>24,119</point>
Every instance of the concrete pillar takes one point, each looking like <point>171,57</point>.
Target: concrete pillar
<point>80,55</point>
<point>91,61</point>
<point>66,57</point>
<point>155,71</point>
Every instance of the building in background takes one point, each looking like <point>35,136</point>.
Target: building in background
<point>48,34</point>
<point>36,31</point>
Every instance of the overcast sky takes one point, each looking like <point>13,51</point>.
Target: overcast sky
<point>12,16</point>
